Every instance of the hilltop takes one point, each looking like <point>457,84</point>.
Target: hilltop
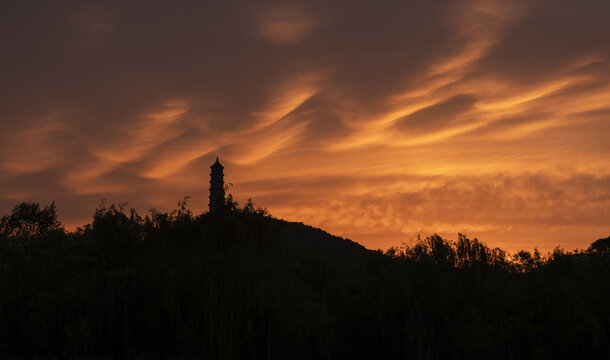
<point>241,284</point>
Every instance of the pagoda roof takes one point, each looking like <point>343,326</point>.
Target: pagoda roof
<point>217,164</point>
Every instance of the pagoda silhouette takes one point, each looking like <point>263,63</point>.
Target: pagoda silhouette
<point>217,188</point>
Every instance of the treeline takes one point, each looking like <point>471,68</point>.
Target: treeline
<point>242,285</point>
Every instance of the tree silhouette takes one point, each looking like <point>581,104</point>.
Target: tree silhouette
<point>600,245</point>
<point>241,284</point>
<point>28,220</point>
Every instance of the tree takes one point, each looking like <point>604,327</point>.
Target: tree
<point>600,245</point>
<point>27,219</point>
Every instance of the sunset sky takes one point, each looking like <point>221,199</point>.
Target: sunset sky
<point>375,121</point>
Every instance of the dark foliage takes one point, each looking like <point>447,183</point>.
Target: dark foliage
<point>242,285</point>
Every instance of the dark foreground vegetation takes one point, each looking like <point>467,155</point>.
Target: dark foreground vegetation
<point>243,285</point>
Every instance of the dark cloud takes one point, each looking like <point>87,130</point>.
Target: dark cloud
<point>438,116</point>
<point>550,37</point>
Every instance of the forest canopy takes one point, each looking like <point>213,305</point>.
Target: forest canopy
<point>241,284</point>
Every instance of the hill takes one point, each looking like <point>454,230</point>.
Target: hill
<point>242,285</point>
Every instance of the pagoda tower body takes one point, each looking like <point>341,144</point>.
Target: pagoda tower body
<point>217,187</point>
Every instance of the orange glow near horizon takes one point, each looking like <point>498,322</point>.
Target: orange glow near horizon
<point>480,117</point>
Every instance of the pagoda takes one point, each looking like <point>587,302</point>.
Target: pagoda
<point>217,188</point>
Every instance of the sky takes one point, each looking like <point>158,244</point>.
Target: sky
<point>376,121</point>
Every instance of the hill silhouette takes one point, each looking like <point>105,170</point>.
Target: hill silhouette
<point>240,284</point>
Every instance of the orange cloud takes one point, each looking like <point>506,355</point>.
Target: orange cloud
<point>284,24</point>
